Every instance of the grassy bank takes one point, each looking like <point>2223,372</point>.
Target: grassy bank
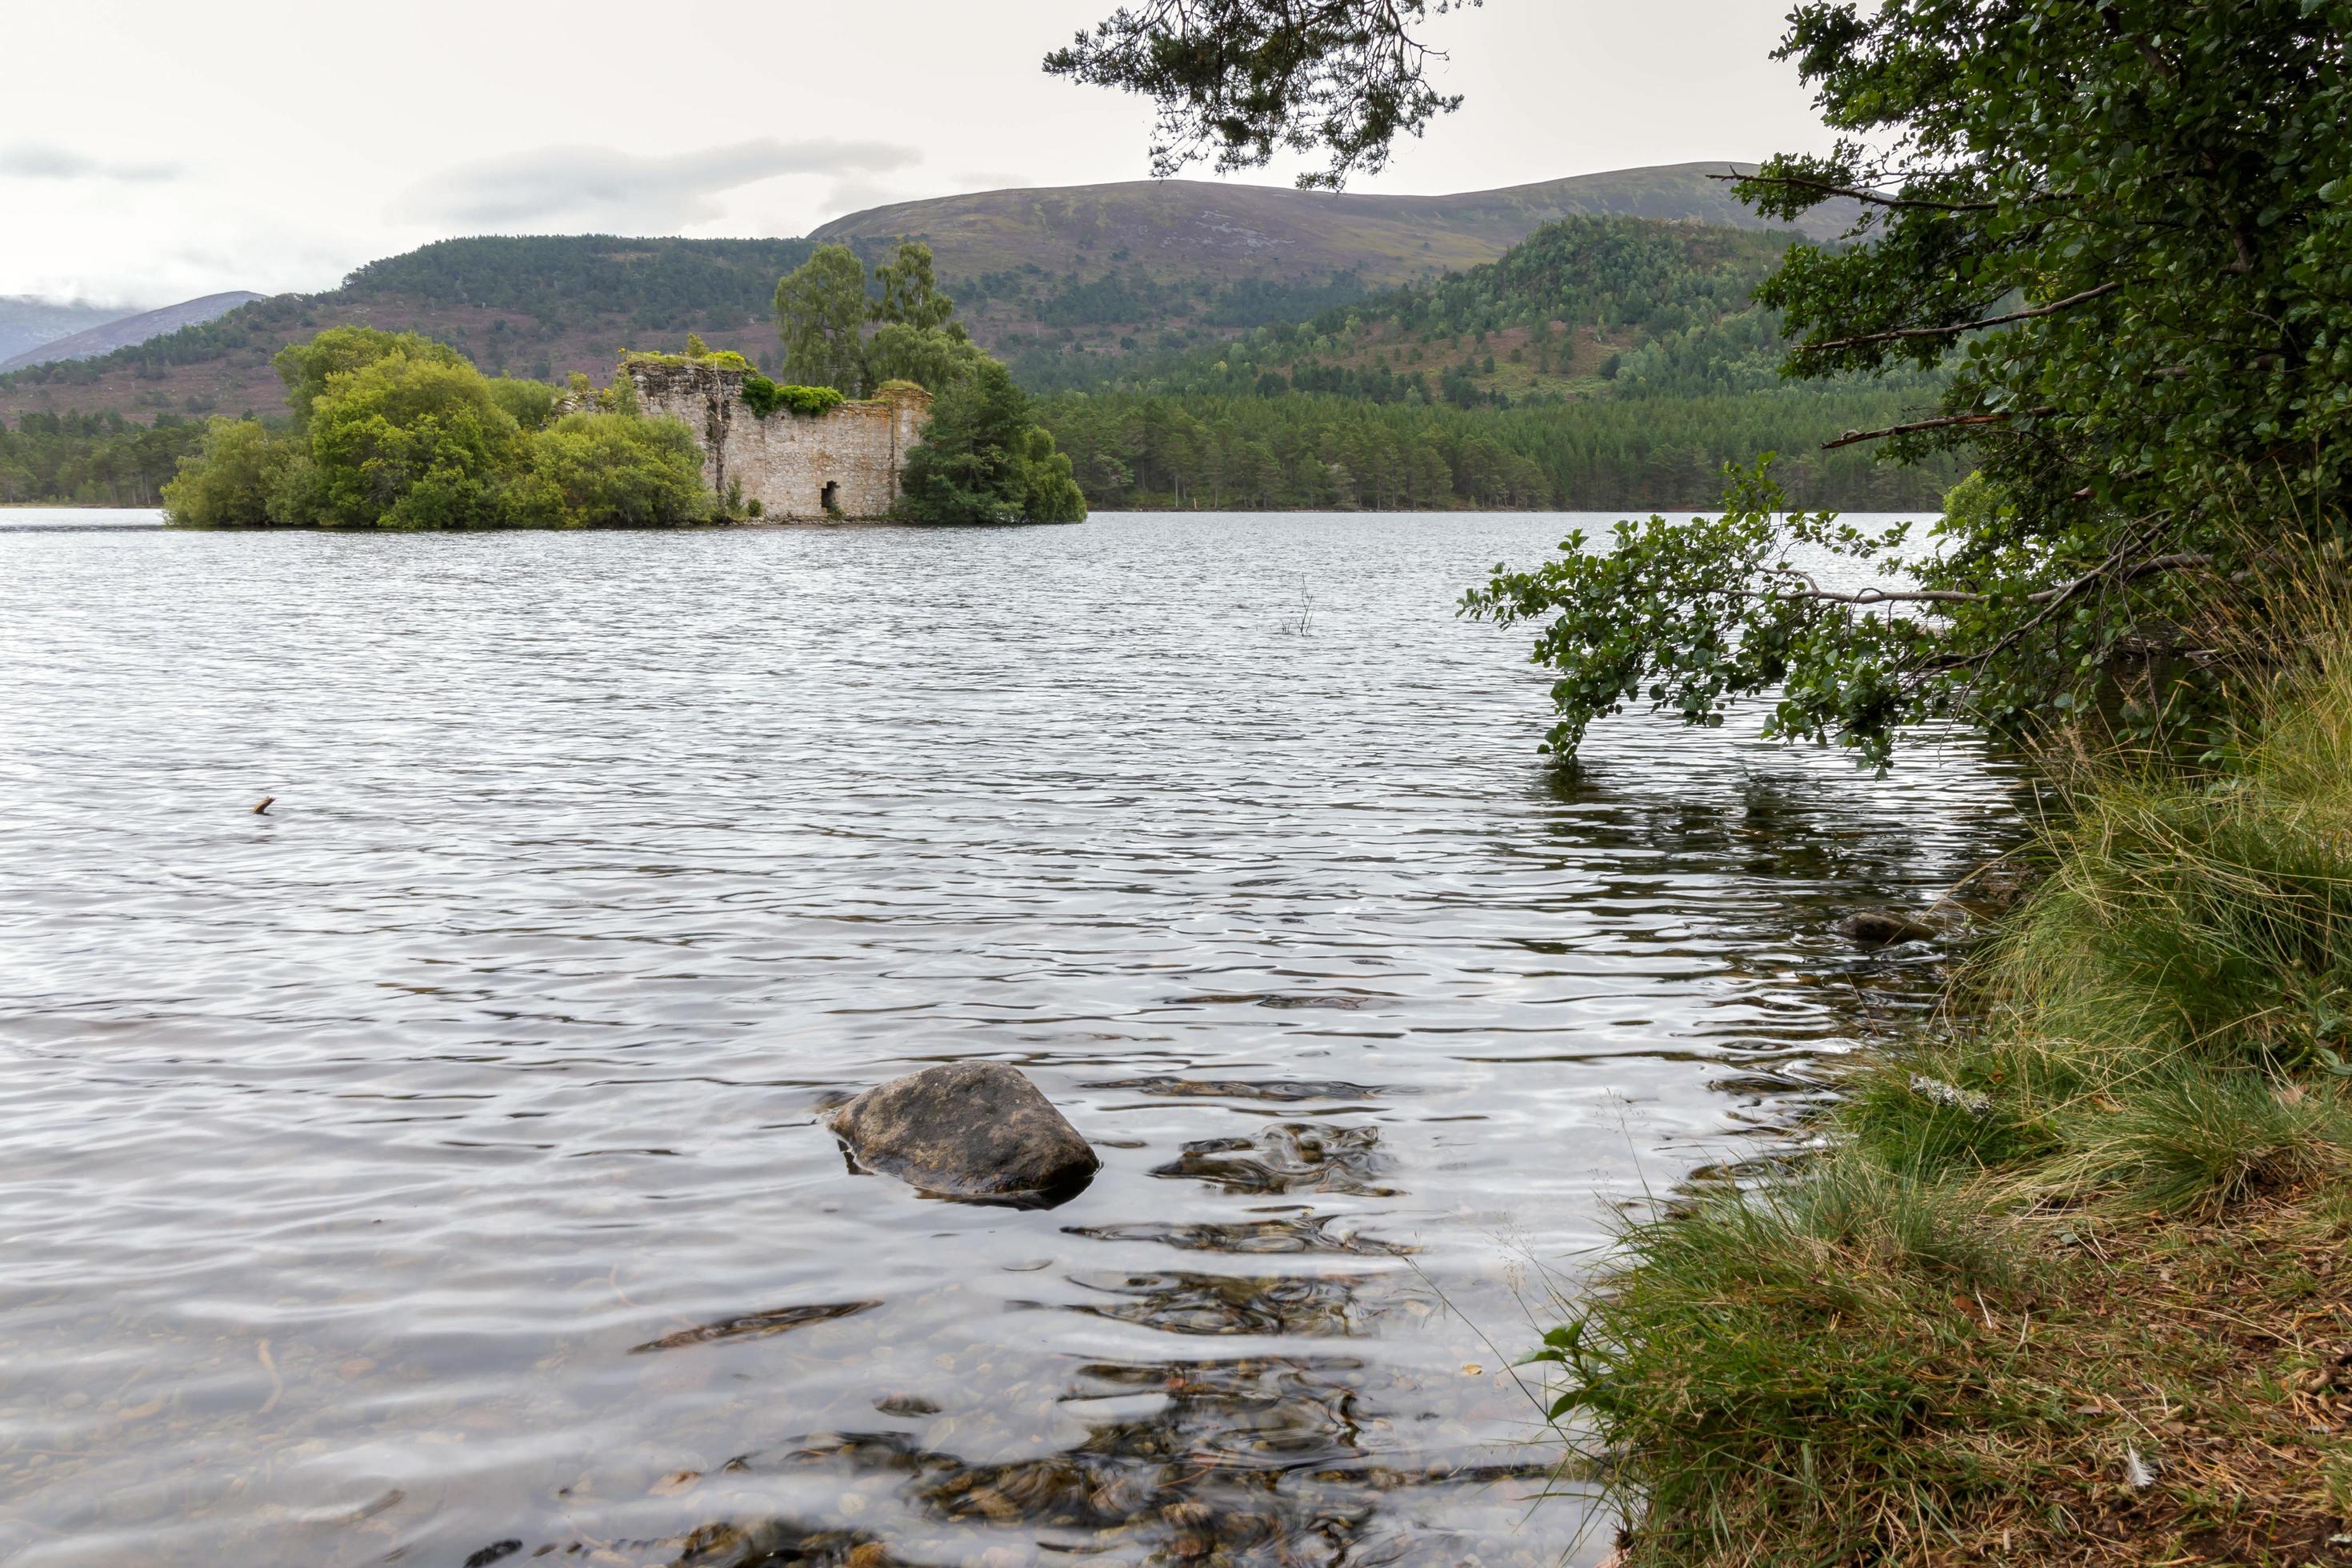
<point>2070,1284</point>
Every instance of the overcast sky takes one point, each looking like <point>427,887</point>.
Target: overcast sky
<point>151,151</point>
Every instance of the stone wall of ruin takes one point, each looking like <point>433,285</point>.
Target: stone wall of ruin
<point>785,459</point>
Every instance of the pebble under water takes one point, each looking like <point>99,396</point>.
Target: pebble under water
<point>432,1170</point>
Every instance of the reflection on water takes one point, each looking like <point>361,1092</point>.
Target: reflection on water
<point>1288,1157</point>
<point>433,1170</point>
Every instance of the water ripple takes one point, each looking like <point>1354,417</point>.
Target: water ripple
<point>352,1148</point>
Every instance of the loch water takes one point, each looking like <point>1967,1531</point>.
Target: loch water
<point>431,1169</point>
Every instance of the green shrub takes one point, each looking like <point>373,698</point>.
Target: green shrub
<point>763,397</point>
<point>407,443</point>
<point>529,402</point>
<point>231,479</point>
<point>717,359</point>
<point>593,470</point>
<point>400,432</point>
<point>307,367</point>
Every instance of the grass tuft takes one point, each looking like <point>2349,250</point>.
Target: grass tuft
<point>2201,1142</point>
<point>2108,1218</point>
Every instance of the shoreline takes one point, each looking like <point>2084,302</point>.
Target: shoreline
<point>2066,1280</point>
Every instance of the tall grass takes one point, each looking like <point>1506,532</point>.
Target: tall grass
<point>1811,1373</point>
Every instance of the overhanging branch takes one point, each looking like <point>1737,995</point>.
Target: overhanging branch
<point>2110,573</point>
<point>1900,333</point>
<point>1946,422</point>
<point>1870,197</point>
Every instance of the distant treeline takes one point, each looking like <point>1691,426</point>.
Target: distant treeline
<point>1315,451</point>
<point>93,459</point>
<point>1301,451</point>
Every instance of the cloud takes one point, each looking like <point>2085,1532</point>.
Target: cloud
<point>43,160</point>
<point>993,180</point>
<point>598,187</point>
<point>853,195</point>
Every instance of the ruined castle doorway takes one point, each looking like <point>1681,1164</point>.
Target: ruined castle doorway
<point>831,499</point>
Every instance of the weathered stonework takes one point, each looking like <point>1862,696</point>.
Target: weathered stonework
<point>791,463</point>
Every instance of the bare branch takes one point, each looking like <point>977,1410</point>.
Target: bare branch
<point>1870,197</point>
<point>2051,309</point>
<point>2050,599</point>
<point>1815,594</point>
<point>1946,422</point>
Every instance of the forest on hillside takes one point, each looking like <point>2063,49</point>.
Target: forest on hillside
<point>1603,362</point>
<point>1584,307</point>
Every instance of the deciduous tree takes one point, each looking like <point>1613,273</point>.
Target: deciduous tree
<point>2125,226</point>
<point>821,314</point>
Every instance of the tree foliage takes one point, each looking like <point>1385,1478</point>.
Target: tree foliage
<point>307,367</point>
<point>909,295</point>
<point>235,479</point>
<point>409,443</point>
<point>101,458</point>
<point>1237,81</point>
<point>984,459</point>
<point>1323,452</point>
<point>593,470</point>
<point>824,308</point>
<point>2125,230</point>
<point>390,430</point>
<point>821,310</point>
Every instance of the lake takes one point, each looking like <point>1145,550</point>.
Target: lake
<point>432,1168</point>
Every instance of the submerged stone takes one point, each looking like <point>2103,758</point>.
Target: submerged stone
<point>967,1130</point>
<point>1884,928</point>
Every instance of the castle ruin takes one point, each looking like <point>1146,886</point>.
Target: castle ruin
<point>845,462</point>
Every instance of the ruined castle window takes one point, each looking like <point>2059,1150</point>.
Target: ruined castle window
<point>831,500</point>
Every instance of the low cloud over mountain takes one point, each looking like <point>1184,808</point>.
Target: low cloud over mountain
<point>599,188</point>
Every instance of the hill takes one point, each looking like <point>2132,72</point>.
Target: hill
<point>126,330</point>
<point>540,306</point>
<point>27,324</point>
<point>1042,275</point>
<point>1167,229</point>
<point>1114,270</point>
<point>1581,306</point>
<point>1601,362</point>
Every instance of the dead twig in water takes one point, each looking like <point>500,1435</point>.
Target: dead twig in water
<point>263,809</point>
<point>277,1384</point>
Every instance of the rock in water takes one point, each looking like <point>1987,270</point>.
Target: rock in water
<point>1884,928</point>
<point>967,1130</point>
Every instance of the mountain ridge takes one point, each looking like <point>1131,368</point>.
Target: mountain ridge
<point>1042,275</point>
<point>27,322</point>
<point>130,330</point>
<point>1255,229</point>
